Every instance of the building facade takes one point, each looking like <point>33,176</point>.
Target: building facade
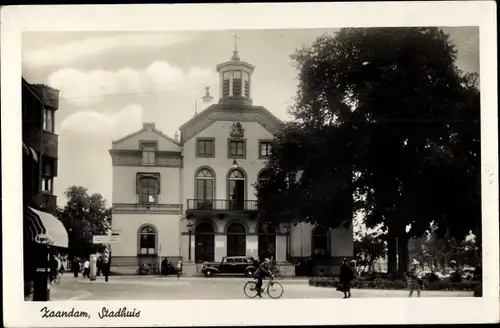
<point>208,206</point>
<point>42,231</point>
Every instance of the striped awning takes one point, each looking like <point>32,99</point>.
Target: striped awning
<point>30,152</point>
<point>44,228</point>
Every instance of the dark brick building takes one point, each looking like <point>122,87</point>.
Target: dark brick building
<point>43,233</point>
<point>40,145</point>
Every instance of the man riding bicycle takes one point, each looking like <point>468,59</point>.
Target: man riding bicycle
<point>262,271</point>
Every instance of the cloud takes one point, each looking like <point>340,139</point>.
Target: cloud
<point>114,124</point>
<point>88,88</point>
<point>75,51</point>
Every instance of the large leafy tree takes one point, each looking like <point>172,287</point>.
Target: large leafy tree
<point>385,117</point>
<point>84,216</point>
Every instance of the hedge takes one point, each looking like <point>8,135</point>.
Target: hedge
<point>397,284</point>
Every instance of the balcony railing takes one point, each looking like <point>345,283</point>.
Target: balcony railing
<point>221,205</point>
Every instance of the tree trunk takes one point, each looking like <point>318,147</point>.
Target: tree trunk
<point>403,253</point>
<point>391,253</point>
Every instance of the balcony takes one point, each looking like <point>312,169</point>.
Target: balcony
<point>50,144</point>
<point>220,205</point>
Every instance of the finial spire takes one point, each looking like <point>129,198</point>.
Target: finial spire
<point>235,51</point>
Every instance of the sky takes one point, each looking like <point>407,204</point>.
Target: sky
<point>110,83</point>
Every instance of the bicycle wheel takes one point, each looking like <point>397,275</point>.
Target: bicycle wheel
<point>275,290</point>
<point>250,289</point>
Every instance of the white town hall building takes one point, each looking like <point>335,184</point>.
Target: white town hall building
<point>192,197</point>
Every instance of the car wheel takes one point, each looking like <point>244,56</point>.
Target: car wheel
<point>249,273</point>
<point>208,273</point>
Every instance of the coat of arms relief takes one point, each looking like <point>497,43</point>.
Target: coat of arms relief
<point>237,131</point>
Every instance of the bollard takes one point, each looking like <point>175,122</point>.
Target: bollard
<point>93,267</point>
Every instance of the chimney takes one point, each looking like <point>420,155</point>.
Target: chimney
<point>148,125</point>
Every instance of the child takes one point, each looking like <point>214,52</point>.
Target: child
<point>414,282</point>
<point>179,268</point>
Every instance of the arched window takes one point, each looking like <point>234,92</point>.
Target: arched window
<point>204,189</point>
<point>266,241</point>
<point>204,242</point>
<point>236,240</point>
<point>147,240</point>
<point>320,242</point>
<point>236,189</point>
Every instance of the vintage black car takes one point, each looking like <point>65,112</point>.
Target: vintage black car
<point>230,265</point>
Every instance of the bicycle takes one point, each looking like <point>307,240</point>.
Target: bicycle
<point>251,286</point>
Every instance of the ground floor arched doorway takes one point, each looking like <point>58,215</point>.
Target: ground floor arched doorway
<point>236,240</point>
<point>266,241</point>
<point>204,242</point>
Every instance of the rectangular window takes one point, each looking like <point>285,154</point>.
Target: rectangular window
<point>48,120</point>
<point>247,88</point>
<point>47,184</point>
<point>147,244</point>
<point>237,83</point>
<point>225,84</point>
<point>246,81</point>
<point>148,154</point>
<point>205,147</point>
<point>237,148</point>
<point>148,190</point>
<point>265,148</point>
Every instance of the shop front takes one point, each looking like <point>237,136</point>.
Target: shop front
<point>43,237</point>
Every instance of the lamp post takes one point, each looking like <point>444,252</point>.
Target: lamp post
<point>190,226</point>
<point>287,235</point>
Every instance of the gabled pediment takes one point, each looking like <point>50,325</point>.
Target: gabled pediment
<point>215,113</point>
<point>148,133</point>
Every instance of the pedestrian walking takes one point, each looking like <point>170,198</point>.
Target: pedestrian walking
<point>86,269</point>
<point>414,281</point>
<point>346,276</point>
<point>75,266</point>
<point>106,266</point>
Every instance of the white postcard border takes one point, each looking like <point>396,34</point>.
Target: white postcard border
<point>248,16</point>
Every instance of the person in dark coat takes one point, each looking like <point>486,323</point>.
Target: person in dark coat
<point>346,276</point>
<point>75,267</point>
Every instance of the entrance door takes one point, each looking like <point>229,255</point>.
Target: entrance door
<point>204,243</point>
<point>240,195</point>
<point>236,190</point>
<point>236,240</point>
<point>266,242</point>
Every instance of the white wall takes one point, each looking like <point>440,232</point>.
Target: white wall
<point>341,241</point>
<point>221,164</point>
<point>168,228</point>
<point>124,183</point>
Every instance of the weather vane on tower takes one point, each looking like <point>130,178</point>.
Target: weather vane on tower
<point>235,51</point>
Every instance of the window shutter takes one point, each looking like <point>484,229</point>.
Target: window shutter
<point>138,184</point>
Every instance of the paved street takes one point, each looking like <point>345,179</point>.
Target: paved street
<point>170,288</point>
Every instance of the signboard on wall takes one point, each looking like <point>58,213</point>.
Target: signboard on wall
<point>105,239</point>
